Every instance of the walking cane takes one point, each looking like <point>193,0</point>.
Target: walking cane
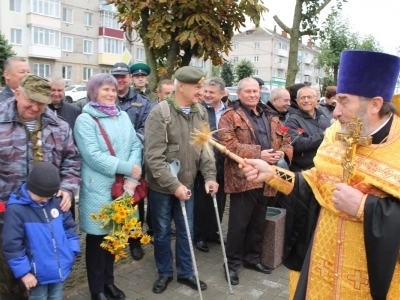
<point>211,188</point>
<point>174,168</point>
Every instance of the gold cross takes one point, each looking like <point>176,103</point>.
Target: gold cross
<point>322,268</point>
<point>353,139</point>
<point>357,280</point>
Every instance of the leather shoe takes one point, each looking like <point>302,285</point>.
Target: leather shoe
<point>191,282</point>
<point>113,292</point>
<point>100,296</point>
<point>161,284</point>
<point>202,246</point>
<point>258,267</point>
<point>137,252</point>
<point>233,276</point>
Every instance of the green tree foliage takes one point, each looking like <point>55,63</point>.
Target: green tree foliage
<point>244,68</point>
<point>173,31</point>
<point>336,36</point>
<point>305,20</point>
<point>5,52</point>
<point>227,73</point>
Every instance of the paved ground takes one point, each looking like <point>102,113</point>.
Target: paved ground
<point>136,279</point>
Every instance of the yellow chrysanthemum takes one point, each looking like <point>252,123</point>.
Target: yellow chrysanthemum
<point>94,217</point>
<point>145,239</point>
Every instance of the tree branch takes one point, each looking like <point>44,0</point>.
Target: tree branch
<point>282,25</point>
<point>326,2</point>
<point>307,32</point>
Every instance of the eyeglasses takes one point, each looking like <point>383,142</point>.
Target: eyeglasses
<point>306,97</point>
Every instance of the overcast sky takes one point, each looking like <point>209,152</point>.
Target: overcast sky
<point>381,18</point>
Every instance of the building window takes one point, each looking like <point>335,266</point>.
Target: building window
<point>67,15</point>
<point>282,46</point>
<point>45,37</point>
<point>16,36</point>
<point>279,60</point>
<point>87,19</point>
<point>112,46</point>
<point>42,70</point>
<point>235,59</point>
<point>15,5</point>
<point>107,19</point>
<point>87,47</point>
<point>67,72</point>
<point>255,59</point>
<point>87,73</point>
<point>307,78</point>
<point>255,72</point>
<point>105,71</point>
<point>46,7</point>
<point>235,46</point>
<point>256,45</point>
<point>67,44</point>
<point>281,73</point>
<point>140,54</point>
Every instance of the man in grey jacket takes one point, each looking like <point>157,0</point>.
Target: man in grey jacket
<point>167,140</point>
<point>14,69</point>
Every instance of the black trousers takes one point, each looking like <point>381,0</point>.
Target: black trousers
<point>246,227</point>
<point>99,264</point>
<point>10,287</point>
<point>205,224</point>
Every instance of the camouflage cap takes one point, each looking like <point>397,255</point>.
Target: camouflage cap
<point>190,74</point>
<point>36,88</point>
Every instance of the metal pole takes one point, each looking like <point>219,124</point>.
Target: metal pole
<point>210,188</point>
<point>196,273</point>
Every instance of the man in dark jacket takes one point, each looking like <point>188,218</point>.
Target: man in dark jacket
<point>67,111</point>
<point>205,223</point>
<point>14,69</point>
<point>279,104</point>
<point>328,106</point>
<point>137,107</point>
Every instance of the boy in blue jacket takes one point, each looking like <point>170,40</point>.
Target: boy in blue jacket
<point>40,241</point>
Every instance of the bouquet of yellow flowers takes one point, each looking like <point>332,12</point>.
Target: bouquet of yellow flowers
<point>119,216</point>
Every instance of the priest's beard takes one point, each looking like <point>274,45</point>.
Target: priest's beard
<point>362,115</point>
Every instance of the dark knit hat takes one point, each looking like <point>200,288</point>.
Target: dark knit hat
<point>43,180</point>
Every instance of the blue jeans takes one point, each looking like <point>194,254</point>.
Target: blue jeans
<point>163,206</point>
<point>52,291</point>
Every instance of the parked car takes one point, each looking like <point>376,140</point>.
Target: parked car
<point>265,94</point>
<point>75,92</point>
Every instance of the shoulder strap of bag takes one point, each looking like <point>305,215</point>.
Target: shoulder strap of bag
<point>104,134</point>
<point>166,115</point>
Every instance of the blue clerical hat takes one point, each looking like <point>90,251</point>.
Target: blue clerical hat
<point>368,74</point>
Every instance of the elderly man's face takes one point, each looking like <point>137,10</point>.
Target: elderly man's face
<point>212,95</point>
<point>192,91</point>
<point>14,74</point>
<point>27,108</point>
<point>139,80</point>
<point>57,93</point>
<point>307,100</point>
<point>165,90</point>
<point>249,94</point>
<point>282,102</point>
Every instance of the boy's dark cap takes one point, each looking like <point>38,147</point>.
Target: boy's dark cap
<point>43,180</point>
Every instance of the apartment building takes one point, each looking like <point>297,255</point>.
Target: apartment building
<point>269,52</point>
<point>70,38</point>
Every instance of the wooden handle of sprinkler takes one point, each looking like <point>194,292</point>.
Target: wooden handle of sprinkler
<point>228,153</point>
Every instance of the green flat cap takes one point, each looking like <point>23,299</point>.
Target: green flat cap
<point>140,69</point>
<point>190,74</point>
<point>36,88</point>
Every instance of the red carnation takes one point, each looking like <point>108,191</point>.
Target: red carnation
<point>2,207</point>
<point>284,129</point>
<point>300,130</point>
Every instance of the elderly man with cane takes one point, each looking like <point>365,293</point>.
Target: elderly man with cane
<point>168,130</point>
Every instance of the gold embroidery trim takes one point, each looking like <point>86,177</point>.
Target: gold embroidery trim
<point>282,180</point>
<point>360,212</point>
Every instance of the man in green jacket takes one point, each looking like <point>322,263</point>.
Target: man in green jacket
<point>139,72</point>
<point>167,140</point>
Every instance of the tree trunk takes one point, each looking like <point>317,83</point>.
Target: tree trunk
<point>335,74</point>
<point>172,57</point>
<point>293,67</point>
<point>150,57</point>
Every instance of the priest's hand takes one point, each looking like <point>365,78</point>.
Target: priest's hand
<point>347,199</point>
<point>257,170</point>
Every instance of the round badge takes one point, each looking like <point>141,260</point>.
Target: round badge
<point>54,213</point>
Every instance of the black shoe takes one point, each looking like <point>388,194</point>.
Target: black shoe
<point>191,282</point>
<point>216,239</point>
<point>100,296</point>
<point>161,284</point>
<point>137,252</point>
<point>258,267</point>
<point>233,276</point>
<point>113,292</point>
<point>202,246</point>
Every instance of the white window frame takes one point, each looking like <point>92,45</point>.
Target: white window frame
<point>139,54</point>
<point>87,73</point>
<point>112,46</point>
<point>67,72</point>
<point>235,59</point>
<point>281,73</point>
<point>235,46</point>
<point>86,43</point>
<point>256,59</point>
<point>88,19</point>
<point>307,78</point>
<point>14,36</point>
<point>71,40</point>
<point>45,37</point>
<point>256,45</point>
<point>106,71</point>
<point>46,7</point>
<point>67,15</point>
<point>16,6</point>
<point>108,20</point>
<point>46,68</point>
<point>255,72</point>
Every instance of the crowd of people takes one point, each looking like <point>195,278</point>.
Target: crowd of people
<point>341,236</point>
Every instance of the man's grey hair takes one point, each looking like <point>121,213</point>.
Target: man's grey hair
<point>216,81</point>
<point>306,88</point>
<point>276,92</point>
<point>56,80</point>
<point>387,107</point>
<point>176,84</point>
<point>8,62</point>
<point>242,81</point>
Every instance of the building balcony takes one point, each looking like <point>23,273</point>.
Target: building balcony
<point>42,51</point>
<point>108,59</point>
<point>110,32</point>
<point>282,52</point>
<point>308,60</point>
<point>43,21</point>
<point>307,72</point>
<point>282,66</point>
